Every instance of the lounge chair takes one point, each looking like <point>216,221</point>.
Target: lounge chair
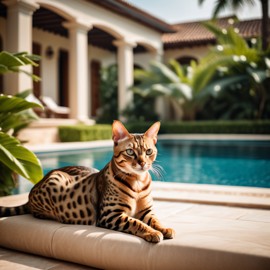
<point>54,109</point>
<point>41,112</point>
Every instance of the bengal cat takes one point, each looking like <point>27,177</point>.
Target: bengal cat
<point>118,197</point>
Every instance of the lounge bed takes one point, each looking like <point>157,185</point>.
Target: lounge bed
<point>207,237</point>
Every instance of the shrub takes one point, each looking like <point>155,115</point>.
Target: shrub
<point>108,95</point>
<point>83,133</point>
<point>206,127</point>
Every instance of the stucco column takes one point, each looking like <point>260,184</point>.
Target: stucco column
<point>125,73</point>
<point>19,39</point>
<point>78,70</point>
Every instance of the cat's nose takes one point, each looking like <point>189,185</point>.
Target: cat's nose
<point>142,163</point>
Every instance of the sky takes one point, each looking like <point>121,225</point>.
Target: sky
<point>174,11</point>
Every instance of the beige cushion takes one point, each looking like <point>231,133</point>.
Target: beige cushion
<point>207,237</point>
<point>193,247</point>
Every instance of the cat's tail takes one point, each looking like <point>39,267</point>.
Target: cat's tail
<point>14,211</point>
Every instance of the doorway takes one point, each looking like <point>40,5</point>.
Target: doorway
<point>95,86</point>
<point>36,49</point>
<point>63,67</point>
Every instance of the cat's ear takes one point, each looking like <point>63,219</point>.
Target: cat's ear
<point>152,132</point>
<point>119,132</point>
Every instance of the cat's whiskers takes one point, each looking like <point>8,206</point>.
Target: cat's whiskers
<point>158,171</point>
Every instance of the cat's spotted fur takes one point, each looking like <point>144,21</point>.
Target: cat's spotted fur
<point>118,197</point>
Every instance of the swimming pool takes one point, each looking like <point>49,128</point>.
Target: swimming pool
<point>233,163</point>
<point>216,162</point>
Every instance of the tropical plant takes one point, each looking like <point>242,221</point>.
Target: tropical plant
<point>12,62</point>
<point>140,109</point>
<point>137,110</point>
<point>161,80</point>
<point>14,115</point>
<point>237,4</point>
<point>230,82</point>
<point>233,79</point>
<point>108,94</point>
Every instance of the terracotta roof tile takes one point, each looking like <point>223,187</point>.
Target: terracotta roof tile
<point>126,9</point>
<point>194,33</point>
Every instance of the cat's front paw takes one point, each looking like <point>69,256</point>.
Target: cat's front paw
<point>168,233</point>
<point>153,237</point>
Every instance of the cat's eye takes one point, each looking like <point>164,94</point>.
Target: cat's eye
<point>149,151</point>
<point>130,152</point>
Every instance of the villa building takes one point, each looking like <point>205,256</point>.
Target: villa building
<point>76,38</point>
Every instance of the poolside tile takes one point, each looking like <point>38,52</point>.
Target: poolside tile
<point>166,209</point>
<point>217,211</point>
<point>257,216</point>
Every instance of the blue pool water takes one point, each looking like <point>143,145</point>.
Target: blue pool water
<point>235,163</point>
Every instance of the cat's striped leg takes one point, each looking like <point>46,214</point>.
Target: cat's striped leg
<point>151,220</point>
<point>124,223</point>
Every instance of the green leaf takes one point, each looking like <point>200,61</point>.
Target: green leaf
<point>24,94</point>
<point>7,181</point>
<point>3,69</point>
<point>19,159</point>
<point>267,62</point>
<point>33,76</point>
<point>259,76</point>
<point>205,72</point>
<point>10,60</point>
<point>16,121</point>
<point>164,72</point>
<point>217,87</point>
<point>12,104</point>
<point>27,61</point>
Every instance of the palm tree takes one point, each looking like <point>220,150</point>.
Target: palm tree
<point>161,80</point>
<point>236,4</point>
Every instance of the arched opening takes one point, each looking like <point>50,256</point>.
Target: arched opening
<point>36,49</point>
<point>186,60</point>
<point>95,67</point>
<point>103,38</point>
<point>143,47</point>
<point>51,20</point>
<point>54,60</point>
<point>63,74</point>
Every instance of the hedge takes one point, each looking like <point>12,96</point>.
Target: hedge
<point>103,132</point>
<point>206,127</point>
<point>83,133</point>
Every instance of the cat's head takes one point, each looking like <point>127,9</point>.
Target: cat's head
<point>134,153</point>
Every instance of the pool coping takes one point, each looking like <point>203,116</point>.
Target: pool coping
<point>236,137</point>
<point>250,197</point>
